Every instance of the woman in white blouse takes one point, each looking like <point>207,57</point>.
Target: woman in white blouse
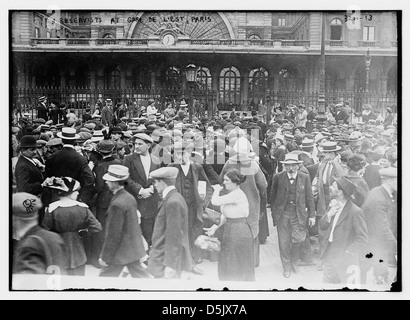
<point>236,258</point>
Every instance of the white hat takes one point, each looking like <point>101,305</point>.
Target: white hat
<point>116,172</point>
<point>291,158</point>
<point>68,134</point>
<point>164,173</point>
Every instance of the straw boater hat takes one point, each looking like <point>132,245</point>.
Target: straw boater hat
<point>116,172</point>
<point>291,158</point>
<point>329,146</point>
<point>307,143</point>
<point>68,134</point>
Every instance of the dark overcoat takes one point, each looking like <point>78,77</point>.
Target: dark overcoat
<point>199,175</point>
<point>350,234</point>
<point>69,163</point>
<point>123,242</point>
<point>35,256</point>
<point>138,180</point>
<point>28,177</point>
<point>305,205</point>
<point>381,217</point>
<point>170,242</point>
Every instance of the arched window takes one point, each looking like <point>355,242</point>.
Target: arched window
<point>113,78</point>
<point>336,29</point>
<point>141,78</point>
<point>230,86</point>
<point>173,78</point>
<point>254,36</point>
<point>204,78</point>
<point>258,84</point>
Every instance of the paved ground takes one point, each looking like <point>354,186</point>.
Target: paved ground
<point>268,274</point>
<point>268,277</point>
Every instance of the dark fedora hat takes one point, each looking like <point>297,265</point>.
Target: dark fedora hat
<point>28,142</point>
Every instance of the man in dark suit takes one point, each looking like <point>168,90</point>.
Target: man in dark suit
<point>28,173</point>
<point>123,245</point>
<point>380,211</point>
<point>187,185</point>
<point>42,109</point>
<point>67,162</point>
<point>104,195</point>
<point>107,114</point>
<point>34,249</point>
<point>140,164</point>
<point>170,252</point>
<point>341,115</point>
<point>345,233</point>
<point>293,210</point>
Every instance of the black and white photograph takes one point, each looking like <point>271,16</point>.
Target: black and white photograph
<point>175,150</point>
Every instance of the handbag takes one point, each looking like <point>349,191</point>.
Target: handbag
<point>208,243</point>
<point>212,215</point>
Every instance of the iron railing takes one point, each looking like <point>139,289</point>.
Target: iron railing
<point>78,98</point>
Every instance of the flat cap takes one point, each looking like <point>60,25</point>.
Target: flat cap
<point>54,142</point>
<point>26,205</point>
<point>164,173</point>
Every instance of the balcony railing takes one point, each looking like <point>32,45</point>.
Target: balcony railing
<point>47,41</point>
<point>295,43</point>
<point>367,43</point>
<point>78,42</point>
<point>336,43</point>
<point>107,41</point>
<point>137,42</point>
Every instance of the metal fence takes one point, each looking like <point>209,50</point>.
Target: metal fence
<point>26,99</point>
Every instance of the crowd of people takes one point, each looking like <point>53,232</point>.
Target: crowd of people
<point>113,192</point>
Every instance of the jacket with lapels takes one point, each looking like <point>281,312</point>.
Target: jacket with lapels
<point>138,180</point>
<point>305,206</point>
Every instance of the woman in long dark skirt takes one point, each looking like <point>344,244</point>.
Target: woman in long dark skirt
<point>236,258</point>
<point>68,217</point>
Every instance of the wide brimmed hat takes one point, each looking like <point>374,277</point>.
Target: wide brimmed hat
<point>68,134</point>
<point>28,142</point>
<point>307,143</point>
<point>329,146</point>
<point>291,158</point>
<point>65,184</point>
<point>117,172</point>
<point>42,99</point>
